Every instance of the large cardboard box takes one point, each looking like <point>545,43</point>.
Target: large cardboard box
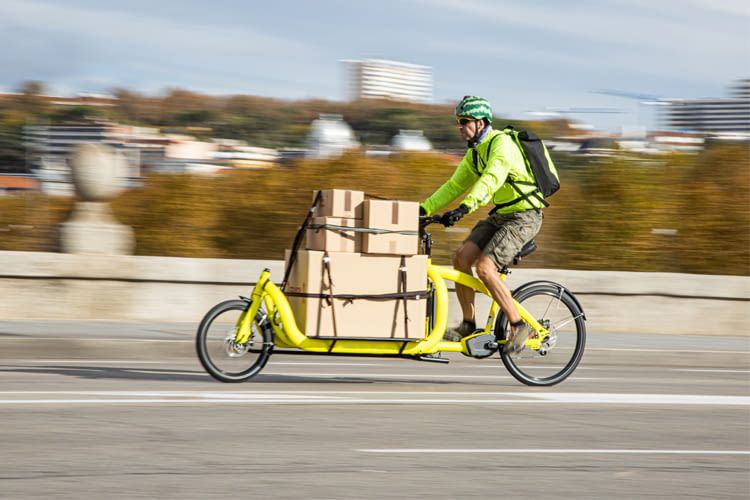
<point>355,273</point>
<point>342,203</point>
<point>391,215</point>
<point>336,240</point>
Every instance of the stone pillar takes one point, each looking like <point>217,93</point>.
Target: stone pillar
<point>92,229</point>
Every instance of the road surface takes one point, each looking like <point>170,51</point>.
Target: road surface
<point>114,411</point>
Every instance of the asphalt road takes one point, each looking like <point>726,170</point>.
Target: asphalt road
<point>97,411</point>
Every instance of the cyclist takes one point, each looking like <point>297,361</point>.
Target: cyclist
<point>492,158</point>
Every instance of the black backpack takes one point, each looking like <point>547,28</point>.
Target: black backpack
<point>538,163</point>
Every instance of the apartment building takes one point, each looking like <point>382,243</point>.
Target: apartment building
<point>49,147</point>
<point>384,79</point>
<point>729,115</point>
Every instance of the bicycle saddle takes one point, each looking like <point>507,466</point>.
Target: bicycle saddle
<point>527,249</point>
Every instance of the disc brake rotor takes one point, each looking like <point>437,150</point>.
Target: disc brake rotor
<point>233,349</point>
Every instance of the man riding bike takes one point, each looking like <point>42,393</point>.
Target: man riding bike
<point>495,170</point>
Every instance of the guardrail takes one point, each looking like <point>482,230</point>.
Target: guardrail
<point>52,286</point>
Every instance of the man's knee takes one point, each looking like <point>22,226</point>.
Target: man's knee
<point>486,268</point>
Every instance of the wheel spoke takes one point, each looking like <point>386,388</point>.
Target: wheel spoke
<point>557,326</point>
<point>556,301</point>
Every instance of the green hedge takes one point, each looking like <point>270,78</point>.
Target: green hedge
<point>607,215</point>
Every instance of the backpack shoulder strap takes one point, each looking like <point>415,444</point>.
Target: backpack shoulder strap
<point>476,157</point>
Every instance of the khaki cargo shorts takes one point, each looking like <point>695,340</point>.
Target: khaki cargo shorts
<point>501,236</point>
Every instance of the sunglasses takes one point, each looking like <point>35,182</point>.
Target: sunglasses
<point>463,121</point>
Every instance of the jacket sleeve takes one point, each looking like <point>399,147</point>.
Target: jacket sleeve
<point>463,177</point>
<point>492,179</point>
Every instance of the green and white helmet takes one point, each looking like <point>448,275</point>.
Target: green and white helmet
<point>474,107</point>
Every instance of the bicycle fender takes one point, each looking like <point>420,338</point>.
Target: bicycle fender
<point>523,287</point>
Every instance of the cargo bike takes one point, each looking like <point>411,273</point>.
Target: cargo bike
<point>236,338</point>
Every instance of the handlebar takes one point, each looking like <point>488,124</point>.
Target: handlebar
<point>426,220</point>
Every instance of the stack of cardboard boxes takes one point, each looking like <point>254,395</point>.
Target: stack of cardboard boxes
<point>359,256</point>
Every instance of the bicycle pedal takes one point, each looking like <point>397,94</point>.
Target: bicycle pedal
<point>482,345</point>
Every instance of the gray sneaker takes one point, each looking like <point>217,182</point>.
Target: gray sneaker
<point>516,343</point>
<point>456,333</point>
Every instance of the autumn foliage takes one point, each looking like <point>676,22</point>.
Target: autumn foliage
<point>675,213</point>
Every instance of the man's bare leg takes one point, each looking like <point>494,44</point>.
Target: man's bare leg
<point>487,271</point>
<point>464,258</point>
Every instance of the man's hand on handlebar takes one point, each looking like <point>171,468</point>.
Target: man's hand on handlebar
<point>450,218</point>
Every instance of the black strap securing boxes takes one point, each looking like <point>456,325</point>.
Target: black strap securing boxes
<point>334,234</point>
<point>338,212</point>
<point>353,295</point>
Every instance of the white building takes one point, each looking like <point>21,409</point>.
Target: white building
<point>49,147</point>
<point>719,116</point>
<point>53,144</point>
<point>383,79</point>
<point>329,137</point>
<point>410,140</point>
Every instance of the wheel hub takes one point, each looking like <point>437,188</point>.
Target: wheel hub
<point>233,349</point>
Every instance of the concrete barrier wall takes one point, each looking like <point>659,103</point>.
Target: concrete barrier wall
<point>49,286</point>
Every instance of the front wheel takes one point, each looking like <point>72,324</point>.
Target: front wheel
<point>554,358</point>
<point>222,358</point>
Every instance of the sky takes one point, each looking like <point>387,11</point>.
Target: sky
<point>524,56</point>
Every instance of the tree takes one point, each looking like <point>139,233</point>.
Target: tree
<point>77,114</point>
<point>31,98</point>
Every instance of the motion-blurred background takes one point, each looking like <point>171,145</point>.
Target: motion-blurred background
<point>230,114</point>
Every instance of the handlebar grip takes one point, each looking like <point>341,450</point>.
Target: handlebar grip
<point>429,219</point>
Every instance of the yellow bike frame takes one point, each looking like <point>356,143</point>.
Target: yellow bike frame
<point>287,333</point>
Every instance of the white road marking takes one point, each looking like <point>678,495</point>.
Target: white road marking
<point>89,361</point>
<point>91,339</point>
<point>157,401</point>
<point>429,373</point>
<point>665,350</point>
<point>481,366</point>
<point>642,399</point>
<point>565,451</point>
<point>344,392</point>
<point>292,363</point>
<point>710,370</point>
<point>360,397</point>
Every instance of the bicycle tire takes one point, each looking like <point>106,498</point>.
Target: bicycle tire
<point>210,358</point>
<point>569,357</point>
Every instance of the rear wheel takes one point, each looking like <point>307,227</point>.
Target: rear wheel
<point>220,356</point>
<point>555,308</point>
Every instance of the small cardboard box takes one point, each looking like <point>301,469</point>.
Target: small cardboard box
<point>392,216</point>
<point>342,203</point>
<point>355,273</point>
<point>336,240</point>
